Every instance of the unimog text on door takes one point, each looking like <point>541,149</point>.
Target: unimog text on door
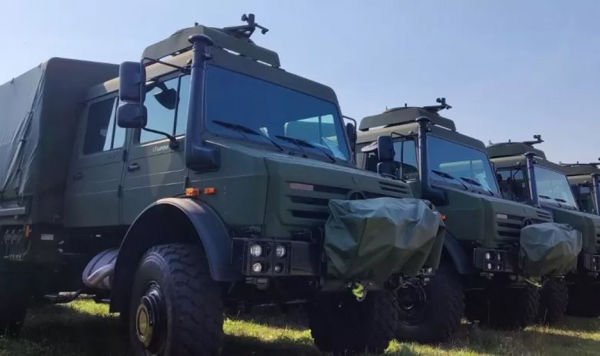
<point>526,175</point>
<point>484,267</point>
<point>200,179</point>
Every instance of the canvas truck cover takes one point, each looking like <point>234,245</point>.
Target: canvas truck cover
<point>549,249</point>
<point>38,118</point>
<point>369,240</point>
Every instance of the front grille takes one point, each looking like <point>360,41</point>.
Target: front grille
<point>390,187</point>
<point>543,216</point>
<point>509,227</point>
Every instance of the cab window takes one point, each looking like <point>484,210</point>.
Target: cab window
<point>166,102</point>
<point>102,133</point>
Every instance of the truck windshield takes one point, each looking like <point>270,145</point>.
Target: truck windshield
<point>466,165</point>
<point>552,185</point>
<point>585,198</point>
<point>275,111</point>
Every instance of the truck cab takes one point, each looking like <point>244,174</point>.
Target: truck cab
<point>453,170</point>
<point>526,175</point>
<point>584,179</point>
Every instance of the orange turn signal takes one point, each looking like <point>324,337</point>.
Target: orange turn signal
<point>444,217</point>
<point>192,192</point>
<point>210,190</point>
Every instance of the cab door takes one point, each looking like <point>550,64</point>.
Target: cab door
<point>93,185</point>
<point>154,170</point>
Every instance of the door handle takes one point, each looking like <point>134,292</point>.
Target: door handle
<point>78,176</point>
<point>133,167</point>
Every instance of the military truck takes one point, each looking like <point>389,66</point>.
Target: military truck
<point>585,183</point>
<point>482,261</point>
<point>201,179</point>
<point>525,174</point>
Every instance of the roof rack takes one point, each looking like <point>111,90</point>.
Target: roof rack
<point>409,114</point>
<point>235,39</point>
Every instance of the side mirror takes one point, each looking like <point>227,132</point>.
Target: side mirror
<point>132,81</point>
<point>351,132</point>
<point>132,115</point>
<point>385,149</point>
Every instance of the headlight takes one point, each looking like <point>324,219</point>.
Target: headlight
<point>280,251</point>
<point>255,250</point>
<point>257,267</point>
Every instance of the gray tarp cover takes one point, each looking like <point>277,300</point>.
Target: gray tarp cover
<point>371,239</point>
<point>549,249</point>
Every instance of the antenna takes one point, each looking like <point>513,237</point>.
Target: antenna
<point>436,108</point>
<point>245,31</point>
<point>537,139</point>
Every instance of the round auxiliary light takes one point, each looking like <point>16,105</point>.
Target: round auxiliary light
<point>257,267</point>
<point>278,268</point>
<point>488,255</point>
<point>489,266</point>
<point>499,256</point>
<point>255,250</point>
<point>280,251</point>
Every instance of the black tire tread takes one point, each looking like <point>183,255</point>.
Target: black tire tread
<point>513,308</point>
<point>554,299</point>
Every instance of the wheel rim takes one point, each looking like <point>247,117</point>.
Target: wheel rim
<point>149,318</point>
<point>412,302</point>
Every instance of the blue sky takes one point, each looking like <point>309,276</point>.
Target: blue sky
<point>511,69</point>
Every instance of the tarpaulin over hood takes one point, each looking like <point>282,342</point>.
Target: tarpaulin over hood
<point>549,249</point>
<point>373,238</point>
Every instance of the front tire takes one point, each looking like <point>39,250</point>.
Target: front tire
<point>176,308</point>
<point>584,297</point>
<point>434,314</point>
<point>13,301</point>
<point>554,299</point>
<point>341,324</point>
<point>513,308</point>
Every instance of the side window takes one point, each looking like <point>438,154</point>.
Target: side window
<point>406,155</point>
<point>513,185</point>
<point>166,103</point>
<point>101,133</point>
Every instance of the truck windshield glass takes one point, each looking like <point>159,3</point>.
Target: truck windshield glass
<point>274,111</point>
<point>552,185</point>
<point>465,164</point>
<point>585,197</point>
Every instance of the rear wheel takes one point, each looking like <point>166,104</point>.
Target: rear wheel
<point>431,313</point>
<point>176,308</point>
<point>554,298</point>
<point>341,324</point>
<point>13,301</point>
<point>584,299</point>
<point>512,308</point>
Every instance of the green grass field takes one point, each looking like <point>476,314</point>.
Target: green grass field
<point>86,328</point>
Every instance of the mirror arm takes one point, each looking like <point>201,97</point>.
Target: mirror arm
<point>173,144</point>
<point>152,61</point>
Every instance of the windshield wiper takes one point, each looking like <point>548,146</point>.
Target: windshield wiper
<point>476,183</point>
<point>299,142</point>
<point>449,176</point>
<point>246,129</point>
<point>544,197</point>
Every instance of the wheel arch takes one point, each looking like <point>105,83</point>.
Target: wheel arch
<point>455,253</point>
<point>173,220</point>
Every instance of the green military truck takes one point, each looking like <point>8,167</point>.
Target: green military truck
<point>484,254</point>
<point>202,179</point>
<point>526,175</point>
<point>585,183</point>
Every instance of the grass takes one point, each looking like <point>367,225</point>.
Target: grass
<point>86,328</point>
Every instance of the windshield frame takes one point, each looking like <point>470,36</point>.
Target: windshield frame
<point>553,200</point>
<point>458,182</point>
<point>284,80</point>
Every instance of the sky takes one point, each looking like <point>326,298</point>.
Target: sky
<point>510,69</point>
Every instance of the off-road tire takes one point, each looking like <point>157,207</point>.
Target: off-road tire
<point>441,313</point>
<point>554,299</point>
<point>341,324</point>
<point>192,322</point>
<point>13,302</point>
<point>512,308</point>
<point>584,299</point>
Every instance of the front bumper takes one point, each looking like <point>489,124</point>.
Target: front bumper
<point>495,260</point>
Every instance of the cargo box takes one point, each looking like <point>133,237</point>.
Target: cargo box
<point>38,117</point>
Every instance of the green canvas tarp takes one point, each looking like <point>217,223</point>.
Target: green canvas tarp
<point>369,240</point>
<point>549,249</point>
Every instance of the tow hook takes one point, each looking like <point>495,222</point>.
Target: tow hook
<point>359,291</point>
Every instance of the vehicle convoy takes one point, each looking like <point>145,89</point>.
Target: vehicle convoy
<point>526,175</point>
<point>492,252</point>
<point>202,179</point>
<point>585,183</point>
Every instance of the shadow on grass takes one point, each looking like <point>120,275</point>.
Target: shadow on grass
<point>293,318</point>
